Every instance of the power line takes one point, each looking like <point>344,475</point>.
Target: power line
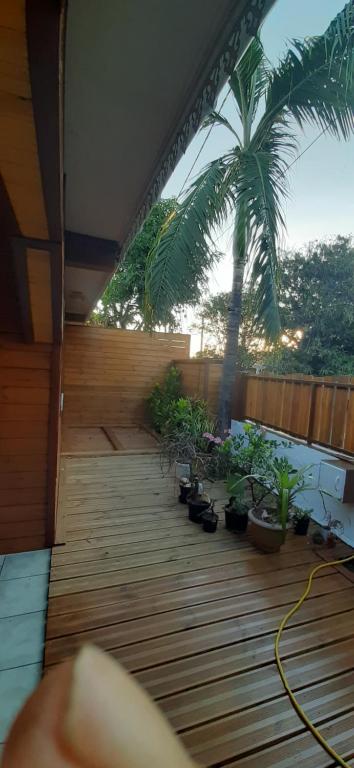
<point>281,175</point>
<point>305,150</point>
<point>202,147</point>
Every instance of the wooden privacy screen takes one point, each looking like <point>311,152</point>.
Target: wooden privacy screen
<point>316,410</point>
<point>24,409</point>
<point>201,378</point>
<point>108,374</point>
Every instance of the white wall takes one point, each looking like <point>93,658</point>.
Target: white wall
<point>301,455</point>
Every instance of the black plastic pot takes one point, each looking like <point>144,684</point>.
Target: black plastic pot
<point>184,491</point>
<point>301,526</point>
<point>210,521</point>
<point>234,520</point>
<point>196,509</point>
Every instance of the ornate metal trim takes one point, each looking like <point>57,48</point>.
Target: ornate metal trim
<point>246,28</point>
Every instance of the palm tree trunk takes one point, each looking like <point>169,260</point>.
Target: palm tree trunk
<point>232,340</point>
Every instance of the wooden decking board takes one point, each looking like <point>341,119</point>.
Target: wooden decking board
<point>193,618</point>
<point>238,734</point>
<point>126,605</point>
<point>233,694</point>
<point>178,542</point>
<point>206,614</point>
<point>209,576</point>
<point>180,645</point>
<point>304,749</point>
<point>198,670</point>
<point>143,558</point>
<point>178,634</point>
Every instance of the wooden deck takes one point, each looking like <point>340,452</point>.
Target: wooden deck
<point>193,616</point>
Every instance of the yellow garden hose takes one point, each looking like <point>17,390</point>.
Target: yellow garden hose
<point>315,732</point>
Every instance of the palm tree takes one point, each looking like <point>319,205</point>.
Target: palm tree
<point>313,84</point>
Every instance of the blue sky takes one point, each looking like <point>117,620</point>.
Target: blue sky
<point>322,181</point>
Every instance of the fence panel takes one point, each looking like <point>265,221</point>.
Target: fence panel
<point>318,410</point>
<point>108,374</point>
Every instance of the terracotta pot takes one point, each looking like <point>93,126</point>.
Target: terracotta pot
<point>268,537</point>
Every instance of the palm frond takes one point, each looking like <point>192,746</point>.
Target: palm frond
<point>241,80</point>
<point>249,80</point>
<point>184,249</point>
<point>216,118</point>
<point>261,188</point>
<point>314,82</point>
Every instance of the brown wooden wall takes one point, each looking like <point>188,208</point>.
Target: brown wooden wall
<point>108,374</point>
<point>201,378</point>
<point>24,410</point>
<point>319,410</point>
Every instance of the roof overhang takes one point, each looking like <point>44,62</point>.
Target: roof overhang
<point>139,77</point>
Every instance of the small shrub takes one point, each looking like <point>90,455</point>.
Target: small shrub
<point>190,416</point>
<point>162,397</point>
<point>181,421</point>
<point>254,453</point>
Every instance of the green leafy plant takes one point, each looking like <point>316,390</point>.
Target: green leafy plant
<point>282,482</point>
<point>189,415</point>
<point>162,398</point>
<point>301,514</point>
<point>181,421</point>
<point>254,453</point>
<point>236,486</point>
<point>286,483</point>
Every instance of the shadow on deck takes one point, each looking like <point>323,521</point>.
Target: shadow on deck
<point>193,616</point>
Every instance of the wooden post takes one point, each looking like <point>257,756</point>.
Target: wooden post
<point>311,422</point>
<point>239,399</point>
<point>206,380</point>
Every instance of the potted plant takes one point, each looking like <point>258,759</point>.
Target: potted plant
<point>198,502</point>
<point>326,534</point>
<point>185,487</point>
<point>236,511</point>
<point>301,521</point>
<point>268,526</point>
<point>210,519</point>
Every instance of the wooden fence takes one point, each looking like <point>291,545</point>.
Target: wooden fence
<point>318,410</point>
<point>108,374</point>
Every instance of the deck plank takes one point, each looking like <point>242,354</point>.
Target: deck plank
<point>193,618</point>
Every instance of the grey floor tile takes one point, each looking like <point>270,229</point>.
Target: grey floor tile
<point>21,640</point>
<point>15,687</point>
<point>23,595</point>
<point>26,564</point>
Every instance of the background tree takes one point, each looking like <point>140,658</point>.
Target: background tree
<point>317,313</point>
<point>313,84</point>
<point>122,304</point>
<point>318,299</point>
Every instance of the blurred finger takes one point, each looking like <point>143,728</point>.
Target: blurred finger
<point>90,713</point>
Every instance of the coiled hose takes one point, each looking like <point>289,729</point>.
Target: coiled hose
<point>311,727</point>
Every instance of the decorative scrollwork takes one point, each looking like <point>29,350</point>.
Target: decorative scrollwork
<point>247,27</point>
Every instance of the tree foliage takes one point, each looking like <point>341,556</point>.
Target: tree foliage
<point>313,84</point>
<point>318,299</point>
<point>122,304</point>
<point>317,312</point>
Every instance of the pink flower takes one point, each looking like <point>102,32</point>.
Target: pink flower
<point>218,441</point>
<point>208,435</point>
